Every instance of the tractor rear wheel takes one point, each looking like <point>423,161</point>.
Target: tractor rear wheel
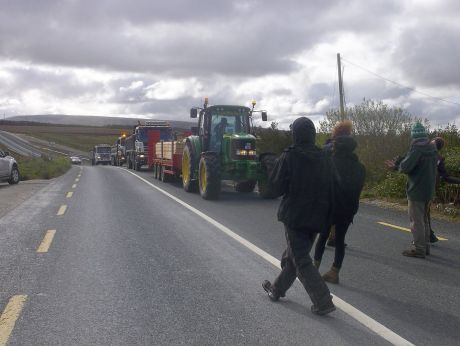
<point>209,177</point>
<point>188,168</point>
<point>245,186</point>
<point>267,163</point>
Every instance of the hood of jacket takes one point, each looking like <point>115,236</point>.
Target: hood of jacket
<point>344,144</point>
<point>303,131</point>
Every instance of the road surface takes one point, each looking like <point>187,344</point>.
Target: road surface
<point>127,260</point>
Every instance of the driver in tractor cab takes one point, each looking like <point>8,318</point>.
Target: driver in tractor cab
<point>219,131</point>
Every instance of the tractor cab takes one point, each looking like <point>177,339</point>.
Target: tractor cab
<point>222,148</point>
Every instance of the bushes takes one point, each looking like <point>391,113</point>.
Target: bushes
<point>43,167</point>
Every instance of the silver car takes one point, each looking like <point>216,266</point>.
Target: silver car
<point>8,168</point>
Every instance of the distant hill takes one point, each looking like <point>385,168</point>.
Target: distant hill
<point>87,120</point>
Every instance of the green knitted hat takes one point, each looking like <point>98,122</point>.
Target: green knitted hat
<point>418,131</point>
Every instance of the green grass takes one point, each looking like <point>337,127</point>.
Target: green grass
<point>77,141</point>
<point>43,168</point>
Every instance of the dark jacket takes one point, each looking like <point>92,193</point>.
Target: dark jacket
<point>442,172</point>
<point>350,175</point>
<point>420,167</point>
<point>303,176</point>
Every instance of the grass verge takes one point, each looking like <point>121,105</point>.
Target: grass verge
<point>43,167</point>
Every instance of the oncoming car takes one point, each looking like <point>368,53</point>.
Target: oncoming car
<point>75,160</point>
<point>9,170</point>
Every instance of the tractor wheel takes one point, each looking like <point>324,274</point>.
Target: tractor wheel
<point>267,163</point>
<point>245,186</point>
<point>188,168</point>
<point>209,177</point>
<point>14,177</point>
<point>155,171</point>
<point>129,162</point>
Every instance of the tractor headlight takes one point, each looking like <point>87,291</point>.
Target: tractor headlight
<point>252,153</point>
<point>141,156</point>
<point>241,152</point>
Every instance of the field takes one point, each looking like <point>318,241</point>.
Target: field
<point>82,138</point>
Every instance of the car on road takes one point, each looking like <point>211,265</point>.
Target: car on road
<point>9,170</point>
<point>75,160</point>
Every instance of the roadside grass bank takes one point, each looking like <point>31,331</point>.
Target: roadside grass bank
<point>42,167</point>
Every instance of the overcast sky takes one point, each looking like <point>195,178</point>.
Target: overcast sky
<point>155,58</point>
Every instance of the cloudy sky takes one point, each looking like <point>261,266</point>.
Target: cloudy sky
<point>152,58</point>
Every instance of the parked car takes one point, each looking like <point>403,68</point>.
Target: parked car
<point>9,170</point>
<point>75,160</point>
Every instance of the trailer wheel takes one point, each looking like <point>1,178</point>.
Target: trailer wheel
<point>209,176</point>
<point>188,181</point>
<point>129,162</point>
<point>164,176</point>
<point>267,163</point>
<point>245,186</point>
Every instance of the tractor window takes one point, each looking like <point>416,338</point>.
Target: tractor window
<point>103,150</point>
<point>226,124</point>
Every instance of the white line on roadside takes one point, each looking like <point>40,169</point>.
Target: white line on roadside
<point>361,317</point>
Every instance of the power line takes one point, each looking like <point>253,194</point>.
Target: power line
<point>401,85</point>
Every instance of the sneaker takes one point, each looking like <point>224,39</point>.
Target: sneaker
<point>331,242</point>
<point>323,310</point>
<point>274,296</point>
<point>433,238</point>
<point>413,253</point>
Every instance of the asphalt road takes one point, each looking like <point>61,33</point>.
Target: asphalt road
<point>18,145</point>
<point>129,265</point>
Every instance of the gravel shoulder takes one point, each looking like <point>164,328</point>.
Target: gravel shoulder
<point>12,196</point>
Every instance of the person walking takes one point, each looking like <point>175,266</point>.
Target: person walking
<point>303,176</point>
<point>420,166</point>
<point>349,182</point>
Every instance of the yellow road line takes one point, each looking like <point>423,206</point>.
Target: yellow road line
<point>46,242</point>
<point>69,194</point>
<point>9,317</point>
<point>403,228</point>
<point>61,210</point>
<point>74,186</point>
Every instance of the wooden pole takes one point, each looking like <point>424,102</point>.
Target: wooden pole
<point>339,69</point>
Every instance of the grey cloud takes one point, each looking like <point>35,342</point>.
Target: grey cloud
<point>178,37</point>
<point>429,54</point>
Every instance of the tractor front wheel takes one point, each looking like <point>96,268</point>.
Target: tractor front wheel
<point>267,163</point>
<point>209,177</point>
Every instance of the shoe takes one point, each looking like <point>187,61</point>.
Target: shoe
<point>433,238</point>
<point>413,253</point>
<point>332,275</point>
<point>274,296</point>
<point>316,264</point>
<point>323,310</point>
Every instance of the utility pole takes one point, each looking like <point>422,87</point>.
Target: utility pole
<point>339,69</point>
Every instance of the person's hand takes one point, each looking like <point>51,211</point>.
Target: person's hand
<point>390,164</point>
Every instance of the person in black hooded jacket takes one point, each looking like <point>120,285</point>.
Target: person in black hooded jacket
<point>350,174</point>
<point>303,176</point>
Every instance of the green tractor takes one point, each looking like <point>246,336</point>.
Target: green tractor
<point>223,147</point>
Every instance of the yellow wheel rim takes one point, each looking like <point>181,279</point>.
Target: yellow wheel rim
<point>185,168</point>
<point>203,177</point>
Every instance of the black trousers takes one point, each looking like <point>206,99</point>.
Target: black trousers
<point>296,262</point>
<point>341,228</point>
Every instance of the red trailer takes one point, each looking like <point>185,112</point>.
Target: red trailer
<point>165,157</point>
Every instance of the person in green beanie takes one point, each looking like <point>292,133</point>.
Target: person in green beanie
<point>420,166</point>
